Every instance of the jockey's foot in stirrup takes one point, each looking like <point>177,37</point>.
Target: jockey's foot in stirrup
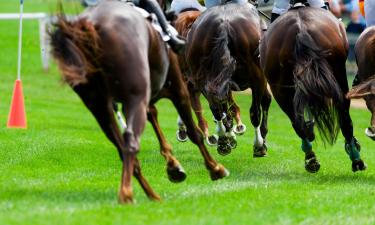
<point>177,43</point>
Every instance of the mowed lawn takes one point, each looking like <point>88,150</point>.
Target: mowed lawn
<point>63,170</point>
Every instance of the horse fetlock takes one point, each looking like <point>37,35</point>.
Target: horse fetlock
<point>218,172</point>
<point>353,149</point>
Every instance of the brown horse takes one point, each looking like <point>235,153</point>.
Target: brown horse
<point>365,55</point>
<point>103,60</point>
<point>222,54</point>
<point>183,24</point>
<point>303,55</point>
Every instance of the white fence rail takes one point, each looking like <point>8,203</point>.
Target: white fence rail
<point>43,19</point>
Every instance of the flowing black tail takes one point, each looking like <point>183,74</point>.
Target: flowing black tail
<point>216,69</point>
<point>317,91</point>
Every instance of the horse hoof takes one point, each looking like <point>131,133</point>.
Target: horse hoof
<point>232,142</point>
<point>370,133</point>
<point>312,165</point>
<point>181,135</point>
<point>176,174</point>
<point>219,172</point>
<point>223,146</point>
<point>260,151</point>
<point>212,140</point>
<point>239,129</point>
<point>358,165</point>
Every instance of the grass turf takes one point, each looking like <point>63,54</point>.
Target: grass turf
<point>62,169</point>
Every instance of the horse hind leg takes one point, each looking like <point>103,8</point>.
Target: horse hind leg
<point>352,146</point>
<point>259,148</point>
<point>143,182</point>
<point>175,171</point>
<point>135,113</point>
<point>202,123</point>
<point>284,97</point>
<point>217,171</point>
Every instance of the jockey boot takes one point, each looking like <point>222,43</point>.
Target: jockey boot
<point>176,43</point>
<point>274,16</point>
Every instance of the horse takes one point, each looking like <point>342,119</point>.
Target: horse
<point>112,53</point>
<point>183,23</point>
<point>303,55</point>
<point>365,87</point>
<point>222,55</point>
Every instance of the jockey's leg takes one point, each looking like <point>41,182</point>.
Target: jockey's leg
<point>178,5</point>
<point>152,6</point>
<point>280,7</point>
<point>317,3</point>
<point>370,12</point>
<point>212,3</point>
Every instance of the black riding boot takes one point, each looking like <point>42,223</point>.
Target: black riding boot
<point>151,6</point>
<point>274,16</point>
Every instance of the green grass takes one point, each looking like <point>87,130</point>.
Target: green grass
<point>62,169</point>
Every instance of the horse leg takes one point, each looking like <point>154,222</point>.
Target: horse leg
<point>174,170</point>
<point>352,146</point>
<point>179,95</point>
<point>143,182</point>
<point>234,110</point>
<point>370,102</point>
<point>224,129</point>
<point>197,107</point>
<point>284,98</point>
<point>102,109</point>
<point>259,148</point>
<point>265,103</point>
<point>135,113</point>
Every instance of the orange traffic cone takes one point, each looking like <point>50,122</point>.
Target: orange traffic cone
<point>17,115</point>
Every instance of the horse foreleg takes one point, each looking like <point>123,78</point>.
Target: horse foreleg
<point>197,107</point>
<point>174,170</point>
<point>143,182</point>
<point>266,102</point>
<point>235,112</point>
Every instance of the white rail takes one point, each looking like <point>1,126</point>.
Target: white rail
<point>43,37</point>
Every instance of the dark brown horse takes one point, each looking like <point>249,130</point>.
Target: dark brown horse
<point>183,24</point>
<point>303,55</point>
<point>111,53</point>
<point>365,55</point>
<point>222,56</point>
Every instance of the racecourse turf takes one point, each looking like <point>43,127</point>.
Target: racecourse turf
<point>63,170</point>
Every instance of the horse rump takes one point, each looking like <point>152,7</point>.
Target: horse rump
<point>75,47</point>
<point>317,91</point>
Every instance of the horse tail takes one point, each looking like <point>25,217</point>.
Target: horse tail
<point>363,89</point>
<point>317,91</point>
<point>219,64</point>
<point>75,46</point>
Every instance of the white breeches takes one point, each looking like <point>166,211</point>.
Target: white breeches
<point>281,6</point>
<point>370,12</point>
<point>178,5</point>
